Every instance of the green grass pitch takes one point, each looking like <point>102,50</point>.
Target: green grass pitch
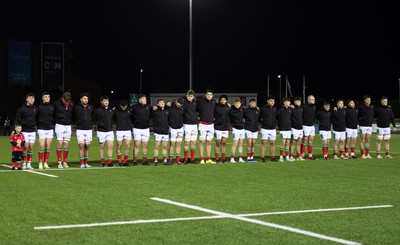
<point>88,199</point>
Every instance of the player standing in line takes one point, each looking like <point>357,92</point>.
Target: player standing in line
<point>104,116</point>
<point>384,122</point>
<point>324,118</point>
<point>221,114</point>
<point>351,128</point>
<point>284,115</point>
<point>297,129</point>
<point>64,108</point>
<point>236,115</point>
<point>190,121</point>
<point>339,129</point>
<point>45,125</point>
<point>26,117</point>
<point>123,125</point>
<point>83,116</point>
<point>161,128</point>
<point>268,128</point>
<point>175,121</point>
<point>365,116</point>
<point>251,116</point>
<point>205,108</point>
<point>309,111</point>
<point>17,141</point>
<point>141,128</point>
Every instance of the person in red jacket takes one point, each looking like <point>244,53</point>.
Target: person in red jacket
<point>17,141</point>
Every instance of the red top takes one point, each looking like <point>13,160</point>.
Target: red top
<point>17,138</point>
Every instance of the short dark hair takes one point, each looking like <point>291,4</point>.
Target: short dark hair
<point>252,99</point>
<point>67,96</point>
<point>366,97</point>
<point>29,94</point>
<point>141,96</point>
<point>17,125</point>
<point>160,99</point>
<point>45,93</point>
<point>209,91</point>
<point>191,92</point>
<point>285,99</point>
<point>123,102</point>
<point>326,103</point>
<point>297,98</point>
<point>180,100</point>
<point>104,97</point>
<point>84,94</point>
<point>270,97</point>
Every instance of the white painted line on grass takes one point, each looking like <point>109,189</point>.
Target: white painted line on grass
<point>54,227</point>
<point>315,210</point>
<point>254,221</point>
<point>31,171</point>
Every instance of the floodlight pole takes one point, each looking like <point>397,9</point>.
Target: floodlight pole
<point>280,89</point>
<point>190,45</point>
<point>140,80</point>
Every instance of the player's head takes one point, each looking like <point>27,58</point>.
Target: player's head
<point>18,128</point>
<point>223,99</point>
<point>340,103</point>
<point>30,98</point>
<point>66,96</point>
<point>271,100</point>
<point>46,97</point>
<point>350,103</point>
<point>123,104</point>
<point>297,101</point>
<point>286,102</point>
<point>209,94</point>
<point>253,103</point>
<point>326,105</point>
<point>311,99</point>
<point>190,94</point>
<point>237,103</point>
<point>367,99</point>
<point>161,103</point>
<point>179,102</point>
<point>84,98</point>
<point>105,101</point>
<point>142,99</point>
<point>384,101</point>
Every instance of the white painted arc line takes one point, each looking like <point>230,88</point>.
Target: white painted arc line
<point>254,221</point>
<point>198,218</point>
<point>30,171</point>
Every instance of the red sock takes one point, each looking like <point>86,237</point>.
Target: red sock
<point>303,149</point>
<point>223,156</point>
<point>46,156</point>
<point>109,160</point>
<point>367,151</point>
<point>280,153</point>
<point>216,155</point>
<point>29,158</point>
<point>65,155</point>
<point>362,151</point>
<point>58,155</point>
<point>126,158</point>
<point>86,160</point>
<point>310,149</point>
<point>40,155</point>
<point>341,153</point>
<point>13,164</point>
<point>192,154</point>
<point>135,159</point>
<point>346,150</point>
<point>208,158</point>
<point>185,154</point>
<point>352,150</point>
<point>19,165</point>
<point>144,159</point>
<point>102,160</point>
<point>177,158</point>
<point>119,158</point>
<point>82,161</point>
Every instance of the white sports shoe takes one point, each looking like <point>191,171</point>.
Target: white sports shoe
<point>65,165</point>
<point>364,157</point>
<point>40,165</point>
<point>369,156</point>
<point>45,166</point>
<point>379,156</point>
<point>241,160</point>
<point>232,160</point>
<point>389,156</point>
<point>281,159</point>
<point>60,165</point>
<point>24,165</point>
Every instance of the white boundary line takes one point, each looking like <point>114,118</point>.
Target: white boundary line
<point>259,222</point>
<point>203,217</point>
<point>31,171</point>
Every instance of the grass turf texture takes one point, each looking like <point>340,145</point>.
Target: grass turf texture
<point>123,194</point>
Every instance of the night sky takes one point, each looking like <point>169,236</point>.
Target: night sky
<point>344,51</point>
